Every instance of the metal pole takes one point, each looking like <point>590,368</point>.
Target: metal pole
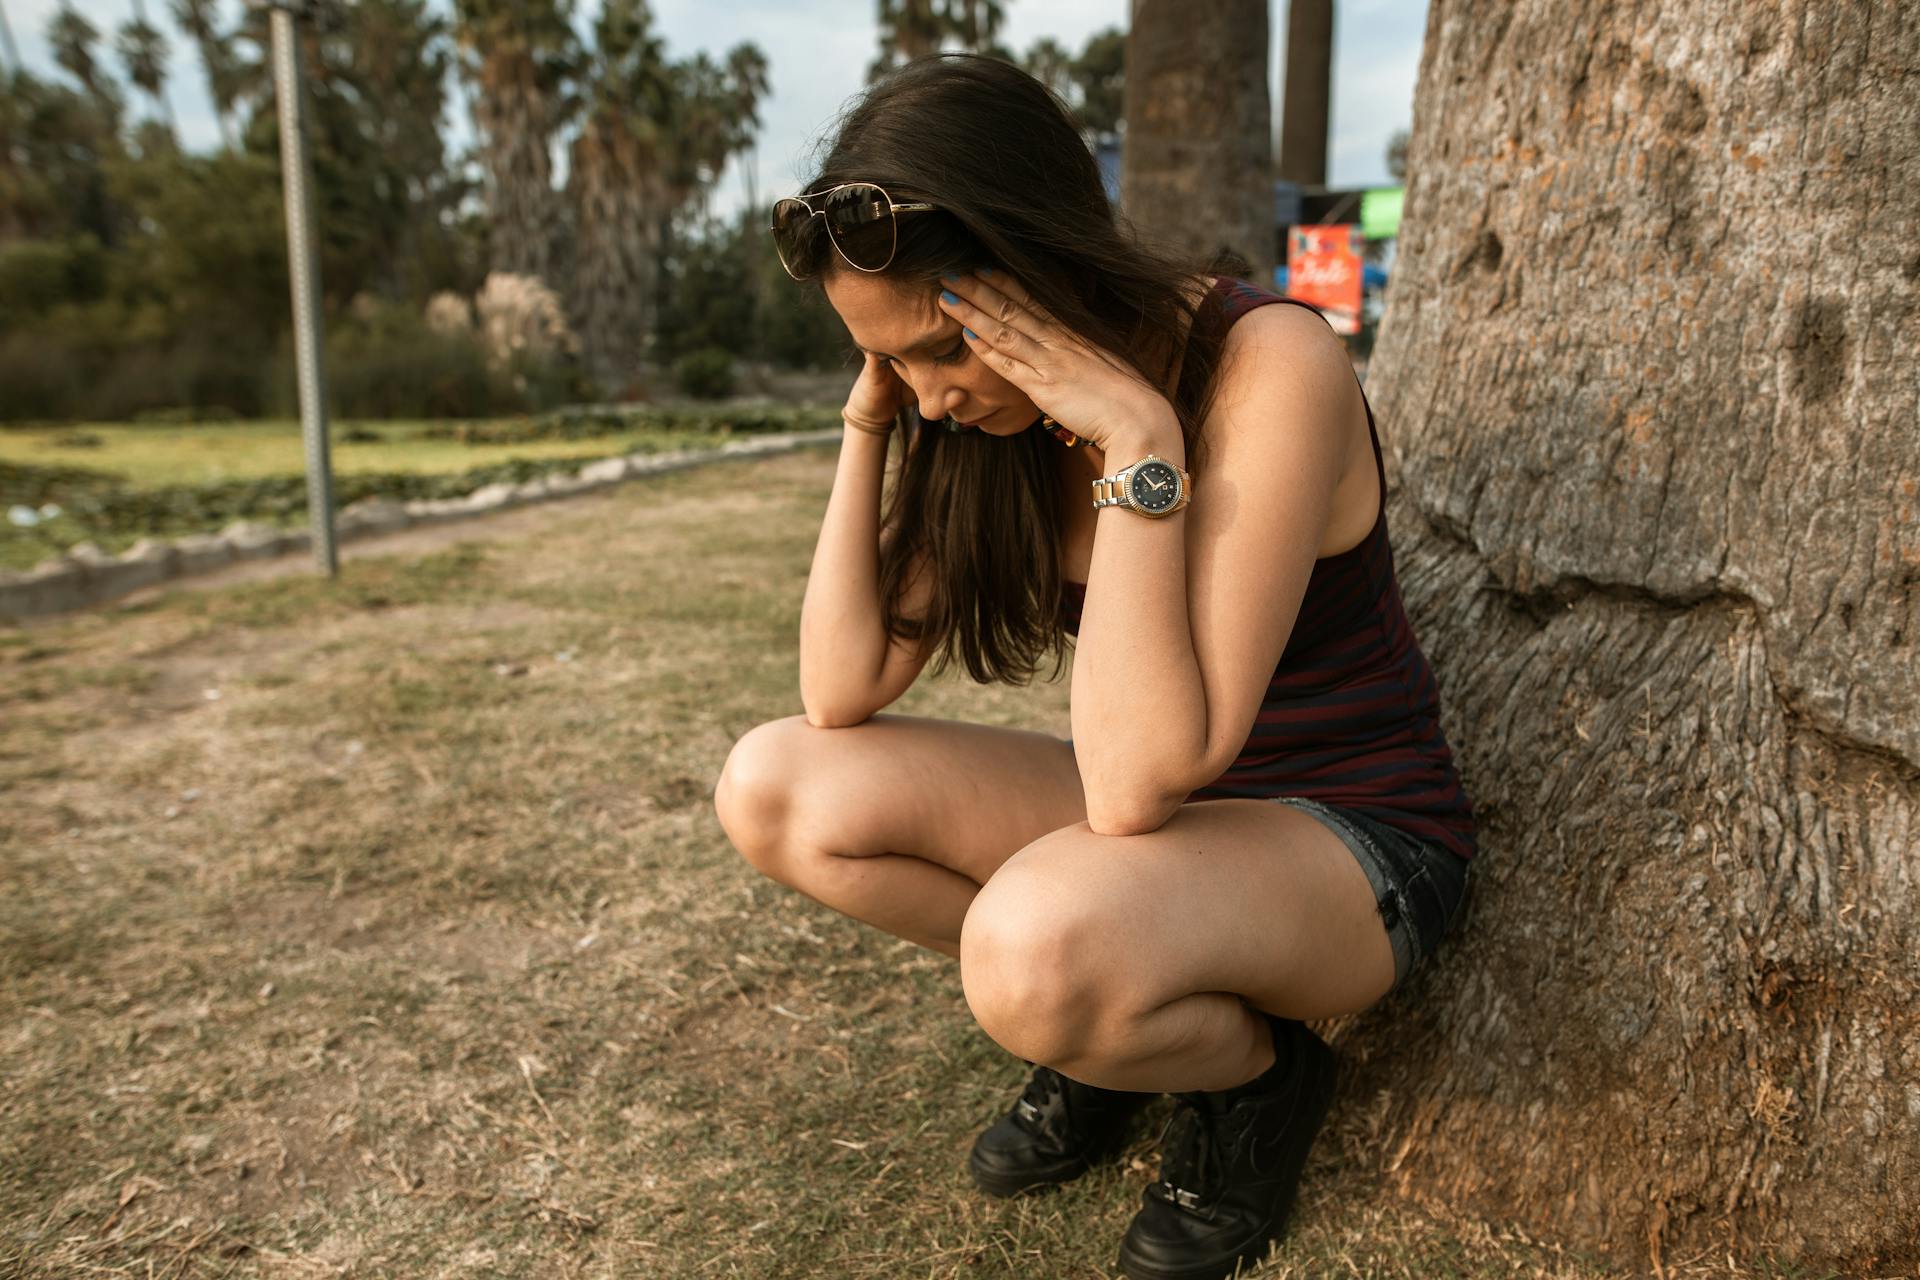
<point>305,271</point>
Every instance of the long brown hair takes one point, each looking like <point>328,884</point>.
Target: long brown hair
<point>1018,190</point>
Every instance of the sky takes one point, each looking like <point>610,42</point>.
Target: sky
<point>819,51</point>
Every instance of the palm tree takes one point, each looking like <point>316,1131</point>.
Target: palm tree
<point>654,139</point>
<point>196,18</point>
<point>73,38</point>
<point>747,73</point>
<point>617,188</point>
<point>1303,117</point>
<point>143,51</point>
<point>1101,74</point>
<point>6,38</point>
<point>912,29</point>
<point>975,23</point>
<point>1048,61</point>
<point>1197,170</point>
<point>522,57</point>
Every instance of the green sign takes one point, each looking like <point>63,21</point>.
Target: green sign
<point>1380,212</point>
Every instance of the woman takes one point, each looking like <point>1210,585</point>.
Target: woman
<point>1257,820</point>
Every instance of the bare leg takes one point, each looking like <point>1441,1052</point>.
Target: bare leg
<point>908,897</point>
<point>896,821</point>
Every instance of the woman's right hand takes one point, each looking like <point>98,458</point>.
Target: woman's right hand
<point>877,396</point>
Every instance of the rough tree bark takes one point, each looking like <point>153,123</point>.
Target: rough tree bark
<point>1648,383</point>
<point>1197,171</point>
<point>512,110</point>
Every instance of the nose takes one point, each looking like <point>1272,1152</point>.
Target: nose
<point>938,397</point>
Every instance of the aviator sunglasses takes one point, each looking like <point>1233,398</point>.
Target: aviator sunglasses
<point>860,223</point>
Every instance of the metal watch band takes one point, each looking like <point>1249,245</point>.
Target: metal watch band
<point>1110,491</point>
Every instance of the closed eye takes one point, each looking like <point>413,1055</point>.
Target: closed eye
<point>954,356</point>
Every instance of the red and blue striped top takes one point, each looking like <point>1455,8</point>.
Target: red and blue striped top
<point>1351,716</point>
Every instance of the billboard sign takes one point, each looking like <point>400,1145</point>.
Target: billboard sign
<point>1323,268</point>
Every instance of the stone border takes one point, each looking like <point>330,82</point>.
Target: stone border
<point>86,575</point>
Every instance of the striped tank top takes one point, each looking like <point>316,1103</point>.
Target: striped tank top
<point>1351,715</point>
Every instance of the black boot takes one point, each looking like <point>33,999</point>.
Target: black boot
<point>1229,1166</point>
<point>1056,1131</point>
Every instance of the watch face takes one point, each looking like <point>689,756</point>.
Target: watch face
<point>1155,486</point>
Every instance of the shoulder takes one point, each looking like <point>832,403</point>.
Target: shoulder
<point>1279,341</point>
<point>1279,365</point>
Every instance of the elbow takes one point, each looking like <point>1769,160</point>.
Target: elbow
<point>1138,825</point>
<point>835,717</point>
<point>1129,817</point>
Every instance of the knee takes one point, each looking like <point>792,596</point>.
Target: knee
<point>753,798</point>
<point>1029,966</point>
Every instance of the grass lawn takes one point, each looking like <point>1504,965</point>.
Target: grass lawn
<point>150,456</point>
<point>383,927</point>
<point>113,484</point>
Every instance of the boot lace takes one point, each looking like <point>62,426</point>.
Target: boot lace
<point>1195,1148</point>
<point>1035,1111</point>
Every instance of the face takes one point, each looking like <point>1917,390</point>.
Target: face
<point>903,322</point>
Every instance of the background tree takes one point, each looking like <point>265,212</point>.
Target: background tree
<point>73,40</point>
<point>1197,168</point>
<point>617,187</point>
<point>143,52</point>
<point>912,29</point>
<point>7,45</point>
<point>1306,93</point>
<point>1099,73</point>
<point>749,80</point>
<point>1049,62</point>
<point>54,147</point>
<point>198,19</point>
<point>1397,155</point>
<point>1090,83</point>
<point>375,74</point>
<point>521,56</point>
<point>1652,431</point>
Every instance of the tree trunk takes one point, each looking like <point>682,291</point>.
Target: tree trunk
<point>1648,386</point>
<point>617,193</point>
<point>511,111</point>
<point>1306,93</point>
<point>1197,169</point>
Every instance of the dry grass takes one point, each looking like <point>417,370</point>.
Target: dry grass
<point>351,930</point>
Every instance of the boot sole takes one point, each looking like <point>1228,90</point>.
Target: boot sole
<point>1003,1183</point>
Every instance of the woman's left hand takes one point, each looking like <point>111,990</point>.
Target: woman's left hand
<point>1090,391</point>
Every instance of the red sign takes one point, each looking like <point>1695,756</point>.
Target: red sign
<point>1323,267</point>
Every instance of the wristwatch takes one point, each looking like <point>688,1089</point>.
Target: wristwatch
<point>1152,486</point>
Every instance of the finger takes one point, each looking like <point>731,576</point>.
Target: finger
<point>994,319</point>
<point>1006,286</point>
<point>1014,370</point>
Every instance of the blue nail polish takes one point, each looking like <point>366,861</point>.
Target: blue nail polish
<point>951,279</point>
<point>970,333</point>
<point>986,271</point>
<point>947,297</point>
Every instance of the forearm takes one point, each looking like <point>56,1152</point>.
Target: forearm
<point>1138,705</point>
<point>843,639</point>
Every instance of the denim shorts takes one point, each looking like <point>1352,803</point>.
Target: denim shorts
<point>1417,885</point>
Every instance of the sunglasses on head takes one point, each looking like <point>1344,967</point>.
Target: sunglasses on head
<point>860,223</point>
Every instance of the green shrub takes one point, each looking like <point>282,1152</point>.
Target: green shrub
<point>386,363</point>
<point>706,374</point>
<point>38,275</point>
